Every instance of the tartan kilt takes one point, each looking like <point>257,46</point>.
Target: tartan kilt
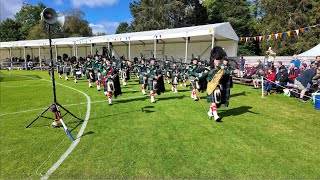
<point>194,84</point>
<point>210,98</point>
<point>109,87</point>
<point>175,83</point>
<point>150,85</point>
<point>88,75</point>
<point>98,76</point>
<point>141,80</point>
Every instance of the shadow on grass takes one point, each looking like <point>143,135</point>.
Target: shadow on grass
<point>146,109</point>
<point>236,111</point>
<point>168,98</point>
<point>142,98</point>
<point>243,93</point>
<point>87,133</point>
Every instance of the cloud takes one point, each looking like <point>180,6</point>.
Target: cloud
<point>9,8</point>
<point>58,2</point>
<point>104,26</point>
<point>93,3</point>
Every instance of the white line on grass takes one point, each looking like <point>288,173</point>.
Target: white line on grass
<point>92,102</point>
<point>76,142</point>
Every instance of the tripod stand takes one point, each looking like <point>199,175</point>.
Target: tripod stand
<point>54,107</point>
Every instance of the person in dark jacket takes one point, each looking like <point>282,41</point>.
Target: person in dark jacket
<point>306,77</point>
<point>281,79</point>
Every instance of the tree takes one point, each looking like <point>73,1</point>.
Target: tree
<point>282,16</point>
<point>9,30</point>
<point>123,28</point>
<point>154,14</point>
<point>75,25</point>
<point>239,14</point>
<point>28,17</point>
<point>195,13</point>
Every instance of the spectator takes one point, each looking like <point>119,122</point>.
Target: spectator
<point>293,73</point>
<point>249,72</point>
<point>269,82</point>
<point>241,63</point>
<point>305,62</point>
<point>296,61</point>
<point>260,65</point>
<point>281,79</point>
<point>271,56</point>
<point>256,77</point>
<point>318,59</point>
<point>277,65</point>
<point>305,78</point>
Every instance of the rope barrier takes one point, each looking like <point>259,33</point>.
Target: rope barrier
<point>291,90</point>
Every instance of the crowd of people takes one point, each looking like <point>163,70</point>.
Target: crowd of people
<point>300,78</point>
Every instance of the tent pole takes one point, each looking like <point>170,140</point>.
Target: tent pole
<point>40,57</point>
<point>56,49</point>
<point>155,48</point>
<point>76,51</point>
<point>186,55</point>
<point>129,51</point>
<point>91,49</point>
<point>10,54</point>
<point>25,58</point>
<point>212,43</point>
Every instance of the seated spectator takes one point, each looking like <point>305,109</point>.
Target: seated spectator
<point>257,78</point>
<point>293,73</point>
<point>269,82</point>
<point>277,65</point>
<point>305,78</point>
<point>281,79</point>
<point>305,62</point>
<point>249,71</point>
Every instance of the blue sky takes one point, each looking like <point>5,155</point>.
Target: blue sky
<point>102,15</point>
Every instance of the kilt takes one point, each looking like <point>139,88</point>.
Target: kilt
<point>88,75</point>
<point>210,98</point>
<point>98,76</point>
<point>109,86</point>
<point>142,79</point>
<point>194,84</point>
<point>60,70</point>
<point>151,86</point>
<point>175,80</point>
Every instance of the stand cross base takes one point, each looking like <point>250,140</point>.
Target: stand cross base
<point>55,109</point>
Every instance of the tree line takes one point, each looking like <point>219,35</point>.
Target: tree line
<point>247,17</point>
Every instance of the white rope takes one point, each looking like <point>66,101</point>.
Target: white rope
<point>45,161</point>
<point>291,90</point>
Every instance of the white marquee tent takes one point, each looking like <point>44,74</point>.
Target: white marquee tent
<point>315,51</point>
<point>179,43</point>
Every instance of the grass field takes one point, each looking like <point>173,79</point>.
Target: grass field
<point>275,137</point>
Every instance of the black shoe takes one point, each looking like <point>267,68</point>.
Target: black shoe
<point>218,120</point>
<point>110,104</point>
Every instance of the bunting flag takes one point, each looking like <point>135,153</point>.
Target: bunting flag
<point>279,35</point>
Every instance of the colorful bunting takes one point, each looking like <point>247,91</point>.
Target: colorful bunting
<point>277,35</point>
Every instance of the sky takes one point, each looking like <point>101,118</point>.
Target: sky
<point>102,15</point>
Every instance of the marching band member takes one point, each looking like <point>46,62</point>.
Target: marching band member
<point>193,74</point>
<point>97,71</point>
<point>218,91</point>
<point>155,80</point>
<point>88,67</point>
<point>110,80</point>
<point>142,73</point>
<point>175,72</point>
<point>67,70</point>
<point>60,65</point>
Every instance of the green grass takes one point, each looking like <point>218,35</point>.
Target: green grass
<point>275,137</point>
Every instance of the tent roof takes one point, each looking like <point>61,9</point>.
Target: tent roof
<point>221,31</point>
<point>315,51</point>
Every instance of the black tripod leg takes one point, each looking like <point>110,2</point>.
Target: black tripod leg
<point>69,112</point>
<point>38,116</point>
